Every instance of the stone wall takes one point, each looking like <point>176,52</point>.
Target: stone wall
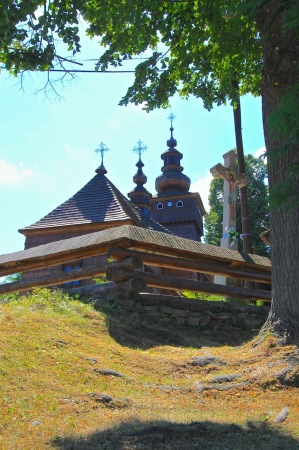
<point>196,313</point>
<point>203,314</point>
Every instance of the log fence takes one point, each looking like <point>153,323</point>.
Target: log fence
<point>131,253</point>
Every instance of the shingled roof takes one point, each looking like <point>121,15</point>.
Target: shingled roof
<point>127,236</point>
<point>99,201</point>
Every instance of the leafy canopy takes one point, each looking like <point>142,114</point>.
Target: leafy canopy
<point>197,47</point>
<point>191,47</point>
<point>30,31</point>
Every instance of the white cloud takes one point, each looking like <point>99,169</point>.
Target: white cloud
<point>259,152</point>
<point>202,186</point>
<point>12,174</point>
<point>79,156</point>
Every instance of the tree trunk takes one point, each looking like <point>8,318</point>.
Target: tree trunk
<point>281,57</point>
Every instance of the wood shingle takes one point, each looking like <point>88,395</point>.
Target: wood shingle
<point>99,201</point>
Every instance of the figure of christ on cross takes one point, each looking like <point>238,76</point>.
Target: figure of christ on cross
<point>232,180</point>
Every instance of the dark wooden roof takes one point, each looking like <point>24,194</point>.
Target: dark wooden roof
<point>97,202</point>
<point>124,236</point>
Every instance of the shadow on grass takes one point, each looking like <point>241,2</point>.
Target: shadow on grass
<point>197,435</point>
<point>146,333</point>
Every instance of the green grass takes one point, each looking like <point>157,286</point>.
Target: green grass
<point>201,296</point>
<point>51,344</point>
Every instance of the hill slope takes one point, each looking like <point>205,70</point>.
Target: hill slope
<point>67,383</point>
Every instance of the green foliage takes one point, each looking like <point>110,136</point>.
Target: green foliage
<point>100,280</point>
<point>29,32</point>
<point>53,300</point>
<point>13,278</point>
<point>200,296</point>
<point>213,219</point>
<point>191,47</point>
<point>10,279</point>
<point>257,201</point>
<point>288,10</point>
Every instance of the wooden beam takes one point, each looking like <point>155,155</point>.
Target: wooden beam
<point>184,284</point>
<point>50,260</point>
<point>53,280</point>
<point>124,266</point>
<point>129,263</point>
<point>194,265</point>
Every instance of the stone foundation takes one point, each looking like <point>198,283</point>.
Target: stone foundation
<point>203,314</point>
<point>195,313</point>
<point>177,310</point>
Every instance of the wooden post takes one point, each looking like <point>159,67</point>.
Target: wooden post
<point>53,280</point>
<point>247,247</point>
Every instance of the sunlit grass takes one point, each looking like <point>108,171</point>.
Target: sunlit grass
<point>50,345</point>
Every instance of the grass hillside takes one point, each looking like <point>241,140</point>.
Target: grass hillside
<point>75,378</point>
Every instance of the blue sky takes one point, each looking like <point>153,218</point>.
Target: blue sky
<point>47,148</point>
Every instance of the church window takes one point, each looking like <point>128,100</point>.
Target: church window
<point>179,204</point>
<point>160,205</point>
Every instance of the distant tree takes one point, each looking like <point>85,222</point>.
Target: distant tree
<point>213,219</point>
<point>12,278</point>
<point>258,206</point>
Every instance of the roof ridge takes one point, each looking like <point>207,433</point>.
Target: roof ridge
<point>126,204</point>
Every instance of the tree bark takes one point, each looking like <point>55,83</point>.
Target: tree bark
<point>280,49</point>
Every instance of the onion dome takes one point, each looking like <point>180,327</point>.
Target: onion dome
<point>172,180</point>
<point>102,149</point>
<point>139,195</point>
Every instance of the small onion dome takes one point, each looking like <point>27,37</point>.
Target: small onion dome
<point>102,148</point>
<point>139,195</point>
<point>139,178</point>
<point>171,143</point>
<point>101,170</point>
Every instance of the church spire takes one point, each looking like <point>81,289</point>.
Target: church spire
<point>171,143</point>
<point>102,148</point>
<point>139,195</point>
<point>174,207</point>
<point>172,180</point>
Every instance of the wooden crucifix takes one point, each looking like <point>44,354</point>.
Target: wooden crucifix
<point>232,180</point>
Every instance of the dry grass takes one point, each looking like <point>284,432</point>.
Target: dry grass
<point>49,350</point>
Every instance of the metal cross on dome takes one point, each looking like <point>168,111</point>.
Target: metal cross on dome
<point>102,148</point>
<point>171,117</point>
<point>140,148</point>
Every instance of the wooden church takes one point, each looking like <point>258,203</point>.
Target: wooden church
<point>100,205</point>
